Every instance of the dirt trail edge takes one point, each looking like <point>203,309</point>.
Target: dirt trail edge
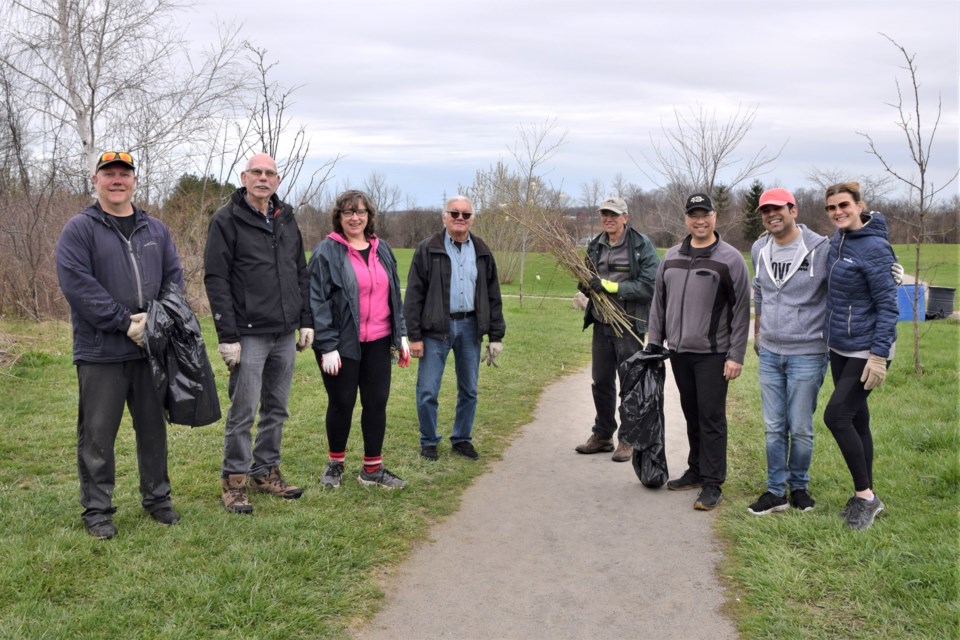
<point>554,544</point>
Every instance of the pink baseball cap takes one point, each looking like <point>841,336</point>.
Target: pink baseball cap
<point>777,197</point>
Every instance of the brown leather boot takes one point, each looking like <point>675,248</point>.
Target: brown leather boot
<point>234,496</point>
<point>623,453</point>
<point>595,445</point>
<point>272,482</point>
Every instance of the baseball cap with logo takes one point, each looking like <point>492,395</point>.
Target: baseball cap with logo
<point>115,157</point>
<point>699,201</point>
<point>777,197</point>
<point>615,204</point>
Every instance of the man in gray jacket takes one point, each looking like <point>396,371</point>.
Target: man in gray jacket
<point>789,293</point>
<point>701,310</point>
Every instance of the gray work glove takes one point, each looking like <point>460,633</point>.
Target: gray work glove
<point>896,270</point>
<point>137,329</point>
<point>490,356</point>
<point>756,343</point>
<point>230,352</point>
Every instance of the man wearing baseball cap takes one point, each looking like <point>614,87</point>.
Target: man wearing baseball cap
<point>112,259</point>
<point>789,293</point>
<point>701,312</point>
<point>624,262</point>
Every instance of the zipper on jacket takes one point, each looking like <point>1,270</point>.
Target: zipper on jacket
<point>849,321</point>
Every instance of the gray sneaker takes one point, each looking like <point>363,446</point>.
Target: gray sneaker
<point>846,508</point>
<point>381,477</point>
<point>862,512</point>
<point>332,474</point>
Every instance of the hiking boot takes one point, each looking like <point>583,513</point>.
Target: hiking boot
<point>846,508</point>
<point>103,530</point>
<point>166,516</point>
<point>863,512</point>
<point>429,452</point>
<point>595,445</point>
<point>332,474</point>
<point>234,494</point>
<point>272,482</point>
<point>708,499</point>
<point>623,453</point>
<point>689,480</point>
<point>802,500</point>
<point>381,477</point>
<point>465,449</point>
<point>768,503</point>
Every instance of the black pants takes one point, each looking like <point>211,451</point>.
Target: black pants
<point>609,352</point>
<point>370,375</point>
<point>104,390</point>
<point>848,418</point>
<point>703,398</point>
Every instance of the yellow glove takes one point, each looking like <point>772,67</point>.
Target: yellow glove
<point>874,373</point>
<point>610,287</point>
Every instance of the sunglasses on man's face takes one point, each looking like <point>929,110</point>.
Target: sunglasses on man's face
<point>456,214</point>
<point>110,156</point>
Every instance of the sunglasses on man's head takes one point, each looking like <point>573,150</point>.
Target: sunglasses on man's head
<point>110,156</point>
<point>456,214</point>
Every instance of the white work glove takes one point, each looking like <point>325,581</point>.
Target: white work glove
<point>404,360</point>
<point>330,363</point>
<point>896,270</point>
<point>230,352</point>
<point>306,338</point>
<point>137,328</point>
<point>874,373</point>
<point>493,350</point>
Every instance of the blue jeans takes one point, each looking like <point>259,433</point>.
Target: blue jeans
<point>262,378</point>
<point>465,342</point>
<point>788,393</point>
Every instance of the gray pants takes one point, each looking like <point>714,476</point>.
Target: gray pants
<point>262,378</point>
<point>104,390</point>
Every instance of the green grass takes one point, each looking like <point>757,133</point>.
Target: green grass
<point>305,568</point>
<point>940,262</point>
<point>805,575</point>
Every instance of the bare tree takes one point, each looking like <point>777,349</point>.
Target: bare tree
<point>386,198</point>
<point>699,154</point>
<point>874,188</point>
<point>921,190</point>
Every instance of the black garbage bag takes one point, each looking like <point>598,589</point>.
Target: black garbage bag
<point>181,371</point>
<point>641,415</point>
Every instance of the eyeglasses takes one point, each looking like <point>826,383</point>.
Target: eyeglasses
<point>609,214</point>
<point>846,204</point>
<point>351,213</point>
<point>699,213</point>
<point>456,214</point>
<point>110,156</point>
<point>256,173</point>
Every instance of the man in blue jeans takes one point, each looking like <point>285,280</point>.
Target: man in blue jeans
<point>452,300</point>
<point>790,293</point>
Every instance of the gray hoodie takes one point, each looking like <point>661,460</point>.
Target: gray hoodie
<point>792,313</point>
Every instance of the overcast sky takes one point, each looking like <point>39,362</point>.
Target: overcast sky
<point>429,92</point>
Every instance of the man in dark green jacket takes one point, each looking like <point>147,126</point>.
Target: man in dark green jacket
<point>625,265</point>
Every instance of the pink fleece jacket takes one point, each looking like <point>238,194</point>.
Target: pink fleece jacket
<point>373,290</point>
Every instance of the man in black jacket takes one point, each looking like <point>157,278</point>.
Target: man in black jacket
<point>452,300</point>
<point>257,283</point>
<point>112,259</point>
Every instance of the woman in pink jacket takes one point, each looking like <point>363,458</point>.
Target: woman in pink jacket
<point>358,329</point>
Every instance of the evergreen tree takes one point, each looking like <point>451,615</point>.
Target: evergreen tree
<point>752,224</point>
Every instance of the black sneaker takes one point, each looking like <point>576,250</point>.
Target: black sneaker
<point>708,499</point>
<point>768,503</point>
<point>429,452</point>
<point>466,450</point>
<point>802,500</point>
<point>863,512</point>
<point>381,477</point>
<point>332,474</point>
<point>689,480</point>
<point>103,530</point>
<point>166,516</point>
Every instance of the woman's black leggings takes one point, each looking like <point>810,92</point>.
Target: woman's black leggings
<point>371,376</point>
<point>848,418</point>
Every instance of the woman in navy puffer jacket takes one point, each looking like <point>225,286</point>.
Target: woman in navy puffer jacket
<point>861,333</point>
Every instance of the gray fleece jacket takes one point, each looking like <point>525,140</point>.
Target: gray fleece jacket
<point>792,309</point>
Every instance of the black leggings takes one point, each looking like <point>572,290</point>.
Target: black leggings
<point>848,418</point>
<point>371,376</point>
